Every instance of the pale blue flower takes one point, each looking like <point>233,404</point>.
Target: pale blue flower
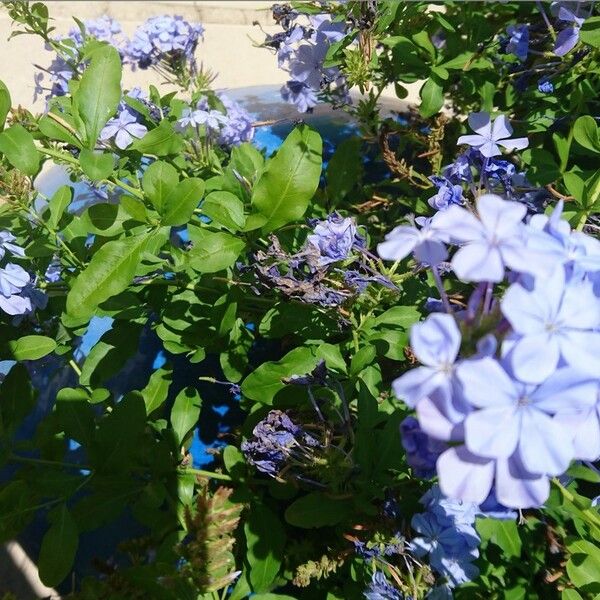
<point>124,128</point>
<point>381,589</point>
<point>468,477</point>
<point>515,417</point>
<point>436,343</point>
<point>6,244</point>
<point>518,43</point>
<point>491,241</point>
<point>427,243</point>
<point>13,280</point>
<point>553,321</point>
<point>299,94</point>
<point>490,136</point>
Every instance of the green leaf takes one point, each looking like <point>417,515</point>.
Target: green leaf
<point>112,351</point>
<point>180,204</point>
<point>59,547</point>
<point>585,132</point>
<point>226,209</point>
<point>110,271</point>
<point>158,182</point>
<point>99,91</point>
<point>503,533</point>
<point>265,381</point>
<point>157,390</point>
<point>583,566</point>
<point>185,412</point>
<point>161,141</point>
<point>542,166</point>
<point>590,32</point>
<point>265,541</point>
<point>569,594</point>
<point>58,204</point>
<point>432,98</point>
<point>345,169</point>
<point>57,131</point>
<point>574,184</point>
<point>247,161</point>
<point>118,435</point>
<point>32,347</point>
<point>75,414</point>
<point>5,104</point>
<point>212,251</point>
<point>134,208</point>
<point>289,179</point>
<point>16,143</point>
<point>96,165</point>
<point>332,356</point>
<point>317,510</point>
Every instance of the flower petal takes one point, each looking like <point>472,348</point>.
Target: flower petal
<point>480,123</point>
<point>486,384</point>
<point>465,476</point>
<point>545,446</point>
<point>493,432</point>
<point>516,488</point>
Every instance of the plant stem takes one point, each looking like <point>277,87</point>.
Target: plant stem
<point>73,161</point>
<point>591,516</point>
<point>27,460</point>
<point>209,474</point>
<point>440,286</point>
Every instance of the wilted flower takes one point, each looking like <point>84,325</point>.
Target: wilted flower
<point>334,238</point>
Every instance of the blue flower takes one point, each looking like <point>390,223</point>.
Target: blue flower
<point>13,280</point>
<point>275,440</point>
<point>545,86</point>
<point>518,43</point>
<point>452,547</point>
<point>556,320</point>
<point>512,416</point>
<point>299,94</point>
<point>6,244</point>
<point>123,128</point>
<point>422,451</point>
<point>490,136</point>
<point>436,343</point>
<point>446,195</point>
<point>567,39</point>
<point>334,238</point>
<point>495,240</point>
<point>427,243</point>
<point>381,589</point>
<point>163,38</point>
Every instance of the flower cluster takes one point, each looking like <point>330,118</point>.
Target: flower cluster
<point>301,51</point>
<point>307,274</point>
<point>519,403</point>
<point>164,43</point>
<point>523,403</point>
<point>230,128</point>
<point>276,443</point>
<point>166,38</point>
<point>447,537</point>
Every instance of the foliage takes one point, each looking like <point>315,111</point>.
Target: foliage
<point>341,473</point>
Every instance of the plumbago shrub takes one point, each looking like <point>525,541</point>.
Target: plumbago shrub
<point>415,350</point>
